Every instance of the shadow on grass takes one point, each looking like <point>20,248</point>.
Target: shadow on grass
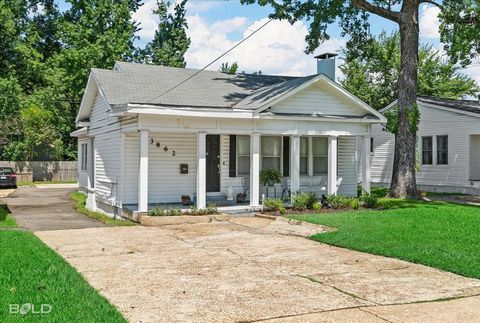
<point>4,211</point>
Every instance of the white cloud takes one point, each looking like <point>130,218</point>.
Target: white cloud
<point>429,22</point>
<point>276,49</point>
<point>148,21</point>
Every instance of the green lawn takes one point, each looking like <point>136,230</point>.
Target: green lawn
<point>6,219</point>
<point>80,207</point>
<point>33,273</point>
<point>437,234</point>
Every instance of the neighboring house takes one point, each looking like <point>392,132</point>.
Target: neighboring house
<point>147,136</point>
<point>448,155</point>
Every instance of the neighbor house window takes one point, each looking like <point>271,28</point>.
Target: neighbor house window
<point>320,156</point>
<point>271,152</point>
<point>84,159</point>
<point>427,151</point>
<point>442,150</point>
<point>303,156</point>
<point>243,155</point>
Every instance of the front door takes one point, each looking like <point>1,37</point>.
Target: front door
<point>213,163</point>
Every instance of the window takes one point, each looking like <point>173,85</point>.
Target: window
<point>243,155</point>
<point>442,150</point>
<point>303,156</point>
<point>84,156</point>
<point>427,151</point>
<point>271,152</point>
<point>320,156</point>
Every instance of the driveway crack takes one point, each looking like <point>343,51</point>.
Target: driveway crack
<point>371,313</point>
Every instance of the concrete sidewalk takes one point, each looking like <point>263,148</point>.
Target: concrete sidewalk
<point>48,208</point>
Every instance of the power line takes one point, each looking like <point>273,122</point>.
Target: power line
<point>216,59</point>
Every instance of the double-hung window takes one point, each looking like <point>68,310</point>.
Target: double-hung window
<point>303,156</point>
<point>320,156</point>
<point>427,150</point>
<point>243,155</point>
<point>271,152</point>
<point>442,150</point>
<point>84,152</point>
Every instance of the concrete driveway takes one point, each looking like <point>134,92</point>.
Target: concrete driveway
<point>47,208</point>
<point>250,269</point>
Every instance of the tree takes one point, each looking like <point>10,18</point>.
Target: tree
<point>170,42</point>
<point>371,72</point>
<point>459,20</point>
<point>229,69</point>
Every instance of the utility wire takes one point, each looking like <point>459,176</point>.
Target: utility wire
<point>206,66</point>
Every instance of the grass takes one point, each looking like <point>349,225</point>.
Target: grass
<point>33,273</point>
<point>80,207</point>
<point>45,182</point>
<point>437,234</point>
<point>6,219</point>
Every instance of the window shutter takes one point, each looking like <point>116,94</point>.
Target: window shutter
<point>232,159</point>
<point>286,156</point>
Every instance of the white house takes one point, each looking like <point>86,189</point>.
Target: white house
<point>448,147</point>
<point>151,134</point>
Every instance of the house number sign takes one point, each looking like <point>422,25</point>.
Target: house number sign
<point>159,146</point>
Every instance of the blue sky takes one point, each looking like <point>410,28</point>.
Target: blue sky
<point>216,25</point>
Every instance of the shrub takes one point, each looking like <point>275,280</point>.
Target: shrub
<point>164,212</point>
<point>317,206</point>
<point>369,201</point>
<point>303,201</point>
<point>275,205</point>
<point>338,201</point>
<point>212,209</point>
<point>354,203</point>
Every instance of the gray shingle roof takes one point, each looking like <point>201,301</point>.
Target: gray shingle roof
<point>462,105</point>
<point>140,83</point>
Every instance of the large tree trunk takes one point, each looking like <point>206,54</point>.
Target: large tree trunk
<point>403,178</point>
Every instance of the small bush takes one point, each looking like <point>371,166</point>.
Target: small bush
<point>275,205</point>
<point>354,204</point>
<point>317,206</point>
<point>304,201</point>
<point>212,209</point>
<point>158,211</point>
<point>369,201</point>
<point>338,201</point>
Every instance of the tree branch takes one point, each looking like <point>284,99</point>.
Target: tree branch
<point>383,12</point>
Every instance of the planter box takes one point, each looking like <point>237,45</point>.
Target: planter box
<point>173,220</point>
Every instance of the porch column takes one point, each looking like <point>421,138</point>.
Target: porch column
<point>143,172</point>
<point>254,169</point>
<point>332,165</point>
<point>295,164</point>
<point>201,170</point>
<point>366,164</point>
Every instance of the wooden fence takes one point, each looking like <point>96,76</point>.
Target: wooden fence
<point>37,171</point>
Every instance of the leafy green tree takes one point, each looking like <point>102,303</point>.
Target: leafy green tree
<point>459,31</point>
<point>229,69</point>
<point>39,137</point>
<point>170,42</point>
<point>371,72</point>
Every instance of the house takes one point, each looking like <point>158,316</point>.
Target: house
<point>151,134</point>
<point>448,156</point>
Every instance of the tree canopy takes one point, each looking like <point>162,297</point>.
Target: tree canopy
<point>371,72</point>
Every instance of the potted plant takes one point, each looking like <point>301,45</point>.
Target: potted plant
<point>241,197</point>
<point>270,177</point>
<point>186,200</point>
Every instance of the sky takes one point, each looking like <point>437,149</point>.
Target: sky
<point>214,26</point>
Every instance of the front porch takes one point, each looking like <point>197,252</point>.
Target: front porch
<point>210,166</point>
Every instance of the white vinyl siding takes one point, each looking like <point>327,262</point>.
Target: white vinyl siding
<point>107,165</point>
<point>320,100</point>
<point>347,170</point>
<point>433,122</point>
<point>99,116</point>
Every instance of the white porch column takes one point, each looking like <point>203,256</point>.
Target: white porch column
<point>201,170</point>
<point>366,164</point>
<point>332,165</point>
<point>295,164</point>
<point>254,169</point>
<point>143,172</point>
